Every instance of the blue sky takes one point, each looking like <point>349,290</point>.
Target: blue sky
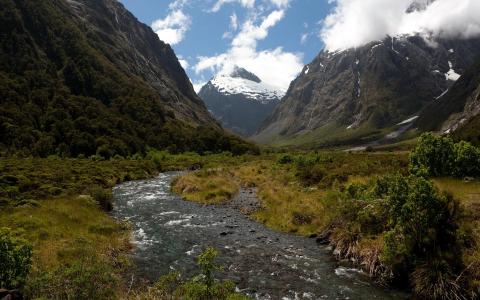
<point>263,36</point>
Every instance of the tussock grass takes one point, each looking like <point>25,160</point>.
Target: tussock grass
<point>210,186</point>
<point>468,192</point>
<point>299,193</point>
<point>70,231</point>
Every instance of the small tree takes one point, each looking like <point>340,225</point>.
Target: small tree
<point>15,260</point>
<point>206,261</point>
<point>467,160</point>
<point>435,154</point>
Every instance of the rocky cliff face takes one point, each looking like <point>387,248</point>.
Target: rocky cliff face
<point>135,49</point>
<point>359,95</point>
<point>457,112</point>
<point>240,100</point>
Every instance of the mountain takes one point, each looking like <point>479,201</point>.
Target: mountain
<point>373,92</point>
<point>83,77</point>
<point>240,100</point>
<point>458,111</point>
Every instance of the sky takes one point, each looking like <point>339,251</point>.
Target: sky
<point>275,38</point>
<point>272,38</point>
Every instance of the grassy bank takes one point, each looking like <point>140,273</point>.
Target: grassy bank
<point>338,196</point>
<point>59,207</point>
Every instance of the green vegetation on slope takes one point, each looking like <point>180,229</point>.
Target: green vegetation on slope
<point>61,95</point>
<point>79,252</point>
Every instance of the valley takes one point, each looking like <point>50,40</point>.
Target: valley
<point>236,150</point>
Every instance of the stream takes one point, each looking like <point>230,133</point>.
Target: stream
<point>169,233</point>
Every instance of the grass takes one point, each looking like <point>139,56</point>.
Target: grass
<point>468,192</point>
<point>209,186</point>
<point>299,193</point>
<point>70,222</point>
<point>59,205</point>
<point>290,203</point>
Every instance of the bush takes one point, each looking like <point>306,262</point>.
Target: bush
<point>467,160</point>
<point>15,260</point>
<point>201,287</point>
<point>285,159</point>
<point>440,156</point>
<point>84,279</point>
<point>434,154</point>
<point>417,224</point>
<point>104,197</point>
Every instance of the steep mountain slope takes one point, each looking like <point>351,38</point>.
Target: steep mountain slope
<point>458,111</point>
<point>363,94</point>
<point>85,77</point>
<point>240,100</point>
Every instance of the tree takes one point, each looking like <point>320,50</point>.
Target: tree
<point>433,154</point>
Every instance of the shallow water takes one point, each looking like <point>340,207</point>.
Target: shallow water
<point>169,233</point>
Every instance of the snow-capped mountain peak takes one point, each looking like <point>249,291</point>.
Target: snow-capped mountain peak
<point>243,82</point>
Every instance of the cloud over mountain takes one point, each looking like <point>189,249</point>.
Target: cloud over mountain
<point>354,23</point>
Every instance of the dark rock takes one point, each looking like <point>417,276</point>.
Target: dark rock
<point>313,235</point>
<point>10,295</point>
<point>458,110</point>
<point>322,241</point>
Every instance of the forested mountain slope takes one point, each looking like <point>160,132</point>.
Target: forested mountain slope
<point>85,77</point>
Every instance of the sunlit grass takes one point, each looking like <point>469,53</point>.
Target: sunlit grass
<point>62,230</point>
<point>210,186</point>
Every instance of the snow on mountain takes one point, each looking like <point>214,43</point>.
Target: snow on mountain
<point>242,82</point>
<point>240,100</point>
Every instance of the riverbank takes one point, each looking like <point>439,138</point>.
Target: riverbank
<point>312,194</point>
<point>263,263</point>
<point>60,207</point>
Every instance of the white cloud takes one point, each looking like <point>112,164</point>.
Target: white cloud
<point>178,4</point>
<point>173,28</point>
<point>304,38</point>
<point>280,3</point>
<point>197,85</point>
<point>183,62</point>
<point>234,22</point>
<point>274,66</point>
<point>354,23</point>
<point>249,3</point>
<point>245,3</point>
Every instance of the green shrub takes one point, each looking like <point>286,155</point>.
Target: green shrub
<point>417,223</point>
<point>201,287</point>
<point>104,197</point>
<point>15,260</point>
<point>285,159</point>
<point>440,156</point>
<point>467,160</point>
<point>434,154</point>
<point>83,280</point>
